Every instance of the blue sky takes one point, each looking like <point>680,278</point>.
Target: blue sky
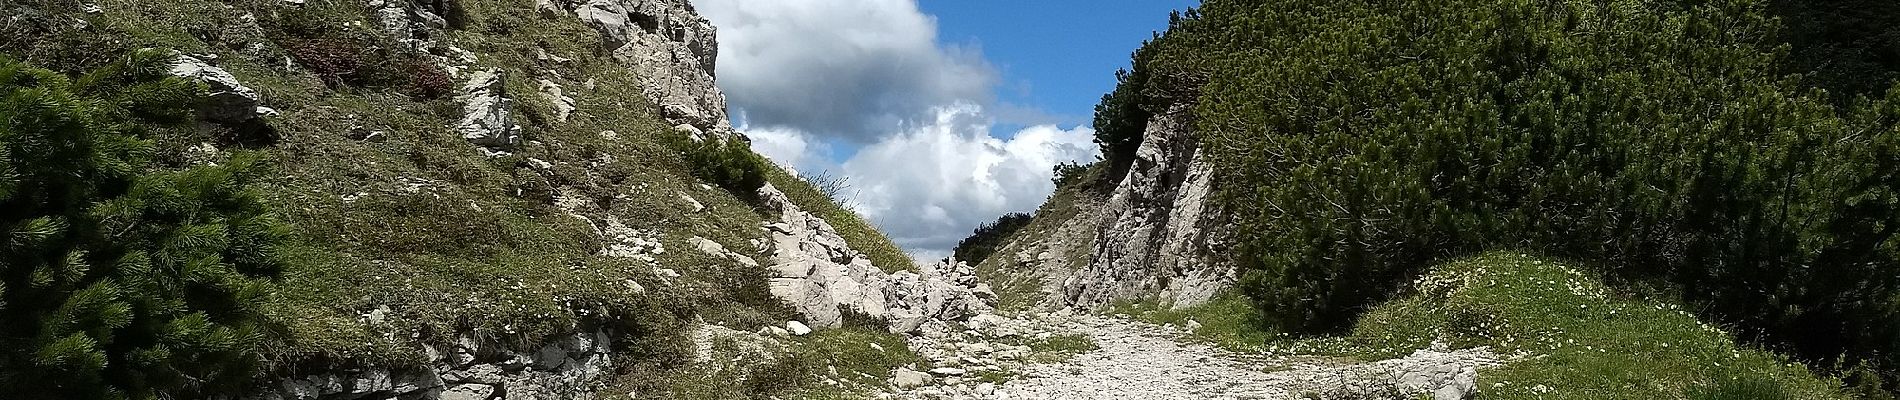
<point>1056,56</point>
<point>943,115</point>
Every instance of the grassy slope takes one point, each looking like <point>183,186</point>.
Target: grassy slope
<point>1019,287</point>
<point>1570,336</point>
<point>449,240</point>
<point>856,231</point>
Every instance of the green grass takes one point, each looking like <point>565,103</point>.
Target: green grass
<point>861,357</point>
<point>1228,320</point>
<point>1019,287</point>
<point>1059,348</point>
<point>449,240</point>
<point>1571,337</point>
<point>856,231</point>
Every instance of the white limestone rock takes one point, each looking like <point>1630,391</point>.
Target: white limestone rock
<point>486,119</point>
<point>228,101</point>
<point>797,328</point>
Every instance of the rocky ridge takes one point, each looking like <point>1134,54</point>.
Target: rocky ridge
<point>1158,235</point>
<point>1154,237</point>
<point>672,50</point>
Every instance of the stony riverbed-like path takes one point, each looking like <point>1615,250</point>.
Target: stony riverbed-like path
<point>1137,360</point>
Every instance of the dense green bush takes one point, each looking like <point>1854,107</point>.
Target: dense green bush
<point>729,164</point>
<point>1068,173</point>
<point>1849,47</point>
<point>990,237</point>
<point>1359,141</point>
<point>1121,118</point>
<point>119,280</point>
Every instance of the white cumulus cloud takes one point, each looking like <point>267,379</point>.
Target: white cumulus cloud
<point>929,186</point>
<point>868,79</point>
<point>851,69</point>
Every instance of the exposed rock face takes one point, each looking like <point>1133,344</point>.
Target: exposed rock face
<point>669,46</point>
<point>1154,237</point>
<point>567,367</point>
<point>821,277</point>
<point>229,101</point>
<point>486,119</point>
<point>1444,374</point>
<point>1154,241</point>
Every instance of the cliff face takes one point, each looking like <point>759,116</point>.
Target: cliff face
<point>1153,236</point>
<point>1158,237</point>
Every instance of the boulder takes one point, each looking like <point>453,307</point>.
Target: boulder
<point>486,119</point>
<point>906,378</point>
<point>228,101</point>
<point>797,328</point>
<point>1446,375</point>
<point>555,94</point>
<point>948,371</point>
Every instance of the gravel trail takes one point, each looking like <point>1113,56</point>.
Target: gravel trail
<point>1138,360</point>
<point>1141,361</point>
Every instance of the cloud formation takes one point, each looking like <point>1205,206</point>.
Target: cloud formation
<point>867,78</point>
<point>856,70</point>
<point>928,187</point>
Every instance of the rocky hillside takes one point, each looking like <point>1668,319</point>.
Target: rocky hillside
<point>1286,169</point>
<point>501,199</point>
<point>1152,234</point>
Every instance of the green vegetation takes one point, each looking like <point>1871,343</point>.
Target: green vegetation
<point>863,358</point>
<point>1019,288</point>
<point>1849,47</point>
<point>120,278</point>
<point>1229,320</point>
<point>989,237</point>
<point>1360,142</point>
<point>432,235</point>
<point>354,57</point>
<point>856,231</point>
<point>1574,337</point>
<point>1068,173</point>
<point>728,164</point>
<point>1122,117</point>
<point>1059,348</point>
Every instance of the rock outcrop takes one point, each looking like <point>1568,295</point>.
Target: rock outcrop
<point>823,278</point>
<point>1158,234</point>
<point>486,117</point>
<point>1154,237</point>
<point>669,46</point>
<point>227,101</point>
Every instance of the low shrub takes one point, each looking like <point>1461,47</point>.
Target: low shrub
<point>728,164</point>
<point>119,279</point>
<point>1068,173</point>
<point>990,237</point>
<point>345,57</point>
<point>1359,142</point>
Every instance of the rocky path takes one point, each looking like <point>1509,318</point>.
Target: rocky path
<point>1136,360</point>
<point>1141,361</point>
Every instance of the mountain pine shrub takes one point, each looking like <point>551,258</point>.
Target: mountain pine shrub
<point>119,280</point>
<point>1361,141</point>
<point>728,164</point>
<point>990,237</point>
